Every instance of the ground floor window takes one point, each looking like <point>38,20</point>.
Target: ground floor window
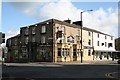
<point>65,52</point>
<point>24,53</point>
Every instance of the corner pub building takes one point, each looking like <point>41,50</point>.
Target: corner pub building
<point>52,41</point>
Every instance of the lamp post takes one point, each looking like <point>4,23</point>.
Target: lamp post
<point>81,33</point>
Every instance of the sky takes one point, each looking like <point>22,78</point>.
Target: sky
<point>104,16</point>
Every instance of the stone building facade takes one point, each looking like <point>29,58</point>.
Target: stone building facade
<point>52,40</point>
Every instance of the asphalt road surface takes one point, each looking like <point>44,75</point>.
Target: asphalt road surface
<point>85,71</point>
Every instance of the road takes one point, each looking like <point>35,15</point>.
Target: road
<point>60,71</point>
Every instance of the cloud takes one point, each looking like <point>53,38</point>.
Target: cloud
<point>105,21</point>
<point>102,20</point>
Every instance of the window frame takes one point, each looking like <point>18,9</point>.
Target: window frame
<point>43,29</point>
<point>43,39</point>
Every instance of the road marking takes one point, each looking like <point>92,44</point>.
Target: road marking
<point>109,75</point>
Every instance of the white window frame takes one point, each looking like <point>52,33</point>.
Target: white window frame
<point>26,40</point>
<point>33,30</point>
<point>43,29</point>
<point>15,41</point>
<point>33,39</point>
<point>26,31</point>
<point>43,39</point>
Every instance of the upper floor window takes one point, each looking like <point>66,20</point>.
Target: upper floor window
<point>63,39</point>
<point>98,36</point>
<point>102,44</point>
<point>26,31</point>
<point>10,42</point>
<point>89,42</point>
<point>78,32</point>
<point>26,40</point>
<point>110,45</point>
<point>89,33</point>
<point>105,37</point>
<point>43,39</point>
<point>43,29</point>
<point>15,41</point>
<point>33,39</point>
<point>16,53</point>
<point>105,44</point>
<point>98,43</point>
<point>33,30</point>
<point>63,29</point>
<point>78,40</point>
<point>111,38</point>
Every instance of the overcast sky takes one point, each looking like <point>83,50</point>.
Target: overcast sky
<point>20,14</point>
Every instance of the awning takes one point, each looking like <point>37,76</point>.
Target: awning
<point>107,51</point>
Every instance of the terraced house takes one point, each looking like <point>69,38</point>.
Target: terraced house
<point>54,40</point>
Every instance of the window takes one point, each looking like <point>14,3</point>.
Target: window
<point>98,35</point>
<point>15,41</point>
<point>33,39</point>
<point>89,42</point>
<point>16,53</point>
<point>63,29</point>
<point>33,30</point>
<point>78,32</point>
<point>105,44</point>
<point>102,44</point>
<point>111,38</point>
<point>63,39</point>
<point>26,31</point>
<point>43,29</point>
<point>110,45</point>
<point>42,39</point>
<point>24,53</point>
<point>59,34</point>
<point>78,40</point>
<point>105,37</point>
<point>89,52</point>
<point>98,43</point>
<point>9,42</point>
<point>26,40</point>
<point>65,51</point>
<point>59,51</point>
<point>89,33</point>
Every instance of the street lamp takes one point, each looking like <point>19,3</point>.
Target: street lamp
<point>81,33</point>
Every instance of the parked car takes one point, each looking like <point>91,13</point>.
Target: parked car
<point>118,61</point>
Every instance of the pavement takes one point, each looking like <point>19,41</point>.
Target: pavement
<point>95,62</point>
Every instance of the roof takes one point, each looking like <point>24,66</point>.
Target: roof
<point>14,36</point>
<point>93,30</point>
<point>107,51</point>
<point>76,26</point>
<point>67,24</point>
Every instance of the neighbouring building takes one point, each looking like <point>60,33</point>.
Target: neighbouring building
<point>54,40</point>
<point>117,44</point>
